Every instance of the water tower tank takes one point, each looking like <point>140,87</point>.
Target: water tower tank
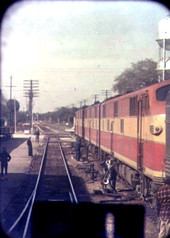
<point>164,33</point>
<point>164,28</point>
<point>160,65</point>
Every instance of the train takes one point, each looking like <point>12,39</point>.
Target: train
<point>5,130</point>
<point>133,130</point>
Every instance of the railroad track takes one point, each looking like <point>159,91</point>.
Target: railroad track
<point>56,180</point>
<point>54,199</point>
<point>53,184</point>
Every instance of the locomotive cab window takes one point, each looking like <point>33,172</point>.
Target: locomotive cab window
<point>108,124</point>
<point>104,110</point>
<point>85,113</point>
<point>90,113</point>
<point>162,93</point>
<point>122,125</point>
<point>133,106</point>
<point>92,125</point>
<point>145,104</point>
<point>95,112</point>
<point>115,109</point>
<point>103,124</point>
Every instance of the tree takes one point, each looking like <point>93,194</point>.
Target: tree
<point>61,114</point>
<point>4,111</point>
<point>141,74</point>
<point>65,114</point>
<point>22,116</point>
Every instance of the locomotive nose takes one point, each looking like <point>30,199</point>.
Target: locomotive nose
<point>167,156</point>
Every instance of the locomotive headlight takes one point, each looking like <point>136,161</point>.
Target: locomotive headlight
<point>105,181</point>
<point>155,130</point>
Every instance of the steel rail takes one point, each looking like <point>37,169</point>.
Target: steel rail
<point>31,199</point>
<point>68,173</point>
<point>31,196</point>
<point>22,213</point>
<point>35,191</point>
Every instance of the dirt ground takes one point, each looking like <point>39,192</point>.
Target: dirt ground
<point>94,187</point>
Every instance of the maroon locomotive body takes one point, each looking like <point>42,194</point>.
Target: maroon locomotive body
<point>133,130</point>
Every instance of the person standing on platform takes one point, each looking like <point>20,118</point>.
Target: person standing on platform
<point>29,143</point>
<point>163,209</point>
<point>4,158</point>
<point>37,134</point>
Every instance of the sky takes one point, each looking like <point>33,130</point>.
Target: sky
<point>75,49</point>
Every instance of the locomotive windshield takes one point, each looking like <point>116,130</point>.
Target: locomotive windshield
<point>162,92</point>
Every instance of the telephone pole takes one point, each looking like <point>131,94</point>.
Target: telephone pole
<point>106,93</point>
<point>80,102</point>
<point>10,86</point>
<point>31,90</point>
<point>10,91</point>
<point>85,100</point>
<point>95,97</point>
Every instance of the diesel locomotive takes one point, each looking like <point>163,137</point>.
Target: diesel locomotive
<point>132,130</point>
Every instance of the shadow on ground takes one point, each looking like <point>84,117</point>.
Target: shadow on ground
<point>15,197</point>
<point>12,143</point>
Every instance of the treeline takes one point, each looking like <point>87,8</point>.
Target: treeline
<point>63,114</point>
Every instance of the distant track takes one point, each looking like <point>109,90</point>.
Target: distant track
<point>54,182</point>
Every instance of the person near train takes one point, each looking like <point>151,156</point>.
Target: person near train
<point>163,209</point>
<point>111,173</point>
<point>112,180</point>
<point>37,135</point>
<point>29,144</point>
<point>77,148</point>
<point>4,158</point>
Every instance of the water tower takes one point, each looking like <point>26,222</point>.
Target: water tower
<point>163,41</point>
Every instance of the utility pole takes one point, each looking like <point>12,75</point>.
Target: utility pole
<point>15,117</point>
<point>10,91</point>
<point>31,90</point>
<point>106,93</point>
<point>85,100</point>
<point>10,86</point>
<point>95,97</point>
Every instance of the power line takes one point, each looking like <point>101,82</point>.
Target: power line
<point>31,90</point>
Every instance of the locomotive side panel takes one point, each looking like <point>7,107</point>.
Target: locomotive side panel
<point>79,123</point>
<point>91,124</point>
<point>119,132</point>
<point>86,124</point>
<point>138,135</point>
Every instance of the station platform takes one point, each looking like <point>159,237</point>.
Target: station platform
<point>17,167</point>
